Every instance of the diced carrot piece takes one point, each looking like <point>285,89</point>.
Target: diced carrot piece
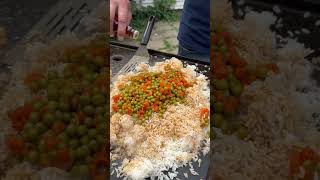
<point>51,142</point>
<point>146,104</point>
<point>273,67</point>
<point>63,160</point>
<point>20,116</point>
<point>219,95</point>
<point>294,162</point>
<point>230,104</point>
<point>16,145</point>
<point>240,73</point>
<point>33,77</point>
<point>115,107</point>
<point>58,127</point>
<point>220,71</point>
<point>204,113</point>
<point>155,108</point>
<point>81,116</point>
<point>236,61</point>
<point>227,38</point>
<point>100,159</point>
<point>116,98</point>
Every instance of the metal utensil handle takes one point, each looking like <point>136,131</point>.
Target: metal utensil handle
<point>148,31</point>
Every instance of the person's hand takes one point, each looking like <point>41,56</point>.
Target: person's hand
<point>123,10</point>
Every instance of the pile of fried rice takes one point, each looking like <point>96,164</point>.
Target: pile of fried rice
<point>277,114</point>
<point>38,56</point>
<point>164,143</point>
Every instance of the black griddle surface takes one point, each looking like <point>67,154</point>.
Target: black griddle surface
<point>126,52</point>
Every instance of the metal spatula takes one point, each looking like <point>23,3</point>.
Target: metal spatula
<point>142,54</point>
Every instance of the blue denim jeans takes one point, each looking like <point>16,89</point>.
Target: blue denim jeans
<point>184,52</point>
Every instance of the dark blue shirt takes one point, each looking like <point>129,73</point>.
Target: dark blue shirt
<point>194,32</point>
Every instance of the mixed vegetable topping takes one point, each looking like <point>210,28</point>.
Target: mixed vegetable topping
<point>150,92</point>
<point>305,158</point>
<point>64,125</point>
<point>231,73</point>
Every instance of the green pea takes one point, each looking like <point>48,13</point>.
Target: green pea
<point>63,106</point>
<point>33,134</point>
<point>34,87</point>
<point>85,140</point>
<point>73,143</point>
<point>52,106</point>
<point>41,127</point>
<point>49,133</point>
<point>48,118</point>
<point>309,165</point>
<point>41,146</point>
<point>52,94</point>
<point>62,145</point>
<point>58,115</point>
<point>98,100</point>
<point>220,84</point>
<point>71,130</point>
<point>37,106</point>
<point>24,134</point>
<point>80,171</point>
<point>225,127</point>
<point>100,139</point>
<point>99,61</point>
<point>93,145</point>
<point>52,75</point>
<point>82,130</point>
<point>92,133</point>
<point>261,73</point>
<point>236,89</point>
<point>83,69</point>
<point>242,132</point>
<point>67,73</point>
<point>76,171</point>
<point>213,134</point>
<point>102,127</point>
<point>68,92</point>
<point>217,120</point>
<point>85,83</point>
<point>73,153</point>
<point>82,152</point>
<point>34,117</point>
<point>89,110</point>
<point>52,154</point>
<point>251,69</point>
<point>99,110</point>
<point>63,137</point>
<point>42,83</point>
<point>66,117</point>
<point>95,90</point>
<point>89,122</point>
<point>44,159</point>
<point>89,77</point>
<point>88,57</point>
<point>218,107</point>
<point>32,156</point>
<point>101,119</point>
